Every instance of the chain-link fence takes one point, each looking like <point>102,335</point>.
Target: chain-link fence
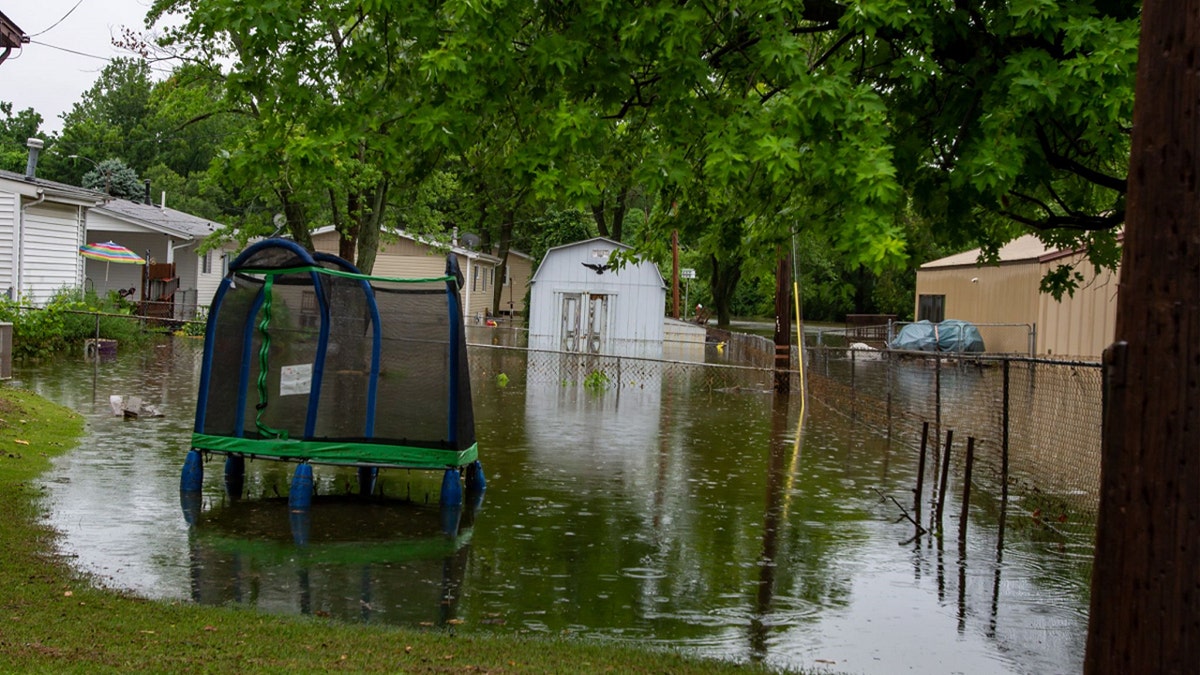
<point>1036,422</point>
<point>530,366</point>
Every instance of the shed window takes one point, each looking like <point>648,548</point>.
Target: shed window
<point>207,269</point>
<point>931,308</point>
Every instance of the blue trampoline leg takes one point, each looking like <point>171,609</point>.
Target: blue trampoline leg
<point>235,475</point>
<point>475,479</point>
<point>301,492</point>
<point>450,518</point>
<point>192,478</point>
<point>452,494</point>
<point>300,521</point>
<point>190,502</point>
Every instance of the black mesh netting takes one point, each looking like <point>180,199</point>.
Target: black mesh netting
<point>277,340</point>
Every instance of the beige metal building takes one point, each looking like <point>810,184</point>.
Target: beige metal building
<point>1080,326</point>
<point>516,283</point>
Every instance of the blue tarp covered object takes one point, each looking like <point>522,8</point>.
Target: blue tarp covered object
<point>950,335</point>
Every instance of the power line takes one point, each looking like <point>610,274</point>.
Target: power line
<point>69,51</point>
<point>109,59</point>
<point>64,18</point>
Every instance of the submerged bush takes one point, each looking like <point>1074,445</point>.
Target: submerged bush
<point>67,319</point>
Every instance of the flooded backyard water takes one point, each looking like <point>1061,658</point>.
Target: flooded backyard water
<point>659,512</point>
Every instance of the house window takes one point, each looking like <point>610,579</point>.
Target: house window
<point>207,264</point>
<point>475,278</point>
<point>931,308</point>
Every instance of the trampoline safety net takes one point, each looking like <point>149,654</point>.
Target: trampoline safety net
<point>305,359</point>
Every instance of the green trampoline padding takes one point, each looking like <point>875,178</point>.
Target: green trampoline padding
<point>339,452</point>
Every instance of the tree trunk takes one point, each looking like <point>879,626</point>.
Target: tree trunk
<point>723,284</point>
<point>506,231</point>
<point>601,222</point>
<point>369,227</point>
<point>611,227</point>
<point>297,221</point>
<point>1145,608</point>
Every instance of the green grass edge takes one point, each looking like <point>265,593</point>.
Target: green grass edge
<point>54,619</point>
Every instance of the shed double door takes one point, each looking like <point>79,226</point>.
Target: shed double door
<point>584,317</point>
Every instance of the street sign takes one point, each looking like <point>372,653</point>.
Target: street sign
<point>687,273</point>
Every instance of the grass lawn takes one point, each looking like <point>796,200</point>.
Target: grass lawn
<point>55,620</point>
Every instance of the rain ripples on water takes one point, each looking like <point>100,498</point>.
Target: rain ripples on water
<point>660,514</point>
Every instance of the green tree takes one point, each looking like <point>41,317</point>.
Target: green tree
<point>15,130</point>
<point>113,177</point>
<point>741,123</point>
<point>111,120</point>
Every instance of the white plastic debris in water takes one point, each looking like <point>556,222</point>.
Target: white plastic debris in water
<point>132,407</point>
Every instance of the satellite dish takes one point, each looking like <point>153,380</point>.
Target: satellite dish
<point>280,222</point>
<point>471,241</point>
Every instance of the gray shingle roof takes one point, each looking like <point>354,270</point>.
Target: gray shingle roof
<point>55,188</point>
<point>167,218</point>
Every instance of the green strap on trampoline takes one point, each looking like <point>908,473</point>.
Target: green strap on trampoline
<point>263,362</point>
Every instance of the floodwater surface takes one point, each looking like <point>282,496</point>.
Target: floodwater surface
<point>656,512</point>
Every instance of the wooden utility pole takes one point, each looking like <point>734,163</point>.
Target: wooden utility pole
<point>1145,608</point>
<point>783,323</point>
<point>675,273</point>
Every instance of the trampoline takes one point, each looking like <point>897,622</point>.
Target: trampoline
<point>309,361</point>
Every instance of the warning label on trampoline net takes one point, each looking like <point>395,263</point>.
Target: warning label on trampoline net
<point>295,379</point>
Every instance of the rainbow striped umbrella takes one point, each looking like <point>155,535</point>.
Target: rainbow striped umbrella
<point>110,252</point>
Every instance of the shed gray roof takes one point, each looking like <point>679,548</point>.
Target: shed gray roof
<point>160,218</point>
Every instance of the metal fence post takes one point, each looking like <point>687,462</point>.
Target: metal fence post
<point>937,397</point>
<point>1004,422</point>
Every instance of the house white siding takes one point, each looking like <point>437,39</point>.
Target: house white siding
<point>49,250</point>
<point>206,283</point>
<point>614,311</point>
<point>8,214</point>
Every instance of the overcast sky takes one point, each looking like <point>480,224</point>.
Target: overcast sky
<point>67,51</point>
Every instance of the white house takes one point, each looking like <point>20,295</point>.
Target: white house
<point>41,229</point>
<point>177,279</point>
<point>582,301</point>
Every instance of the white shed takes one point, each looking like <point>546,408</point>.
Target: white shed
<point>581,301</point>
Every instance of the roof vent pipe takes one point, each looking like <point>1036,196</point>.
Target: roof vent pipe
<point>147,184</point>
<point>35,148</point>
